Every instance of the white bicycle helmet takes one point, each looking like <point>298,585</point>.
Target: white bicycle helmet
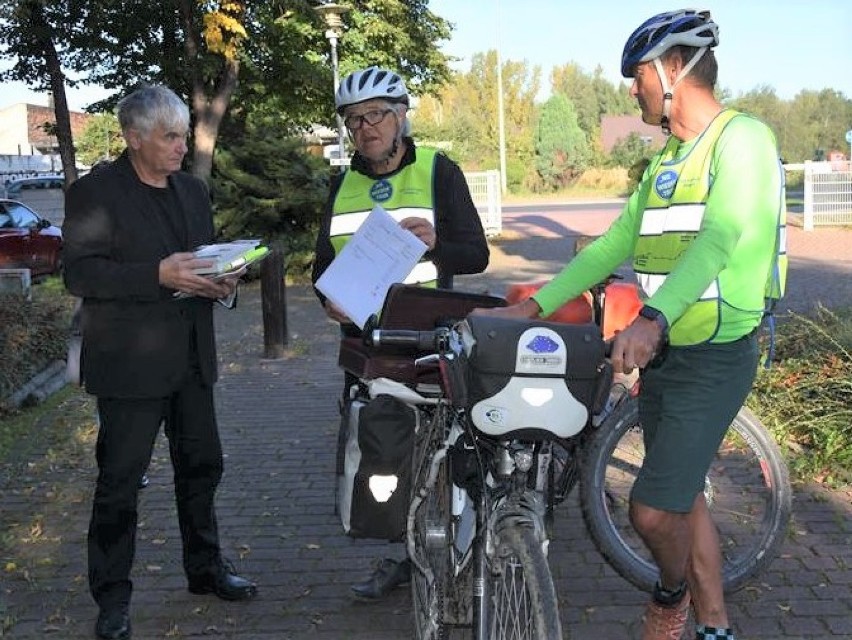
<point>687,27</point>
<point>368,84</point>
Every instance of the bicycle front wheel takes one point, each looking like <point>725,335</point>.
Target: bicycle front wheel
<point>747,490</point>
<point>522,597</point>
<point>431,553</point>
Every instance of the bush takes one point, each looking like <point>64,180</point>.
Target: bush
<point>805,398</point>
<point>32,335</point>
<point>265,185</point>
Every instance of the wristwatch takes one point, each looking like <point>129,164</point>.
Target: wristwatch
<point>650,313</point>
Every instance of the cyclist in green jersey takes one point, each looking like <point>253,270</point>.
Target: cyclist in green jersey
<point>703,230</point>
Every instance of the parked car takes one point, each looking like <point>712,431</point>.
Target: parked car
<point>45,194</point>
<point>14,188</point>
<point>28,241</point>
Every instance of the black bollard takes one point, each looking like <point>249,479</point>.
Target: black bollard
<point>274,300</point>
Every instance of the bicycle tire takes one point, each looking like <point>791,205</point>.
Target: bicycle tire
<point>432,542</point>
<point>522,598</point>
<point>748,490</point>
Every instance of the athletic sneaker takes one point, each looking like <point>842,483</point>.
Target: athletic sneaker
<point>665,623</point>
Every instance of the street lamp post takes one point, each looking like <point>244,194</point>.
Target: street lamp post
<point>501,122</point>
<point>332,14</point>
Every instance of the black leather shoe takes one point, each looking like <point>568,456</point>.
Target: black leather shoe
<point>113,623</point>
<point>224,584</point>
<point>387,576</point>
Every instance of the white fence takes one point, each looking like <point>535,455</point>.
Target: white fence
<point>828,193</point>
<point>485,190</point>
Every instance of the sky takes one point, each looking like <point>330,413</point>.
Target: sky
<point>789,45</point>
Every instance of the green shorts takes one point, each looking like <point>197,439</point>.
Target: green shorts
<point>685,407</point>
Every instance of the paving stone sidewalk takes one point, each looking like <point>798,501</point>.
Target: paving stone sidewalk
<point>278,420</point>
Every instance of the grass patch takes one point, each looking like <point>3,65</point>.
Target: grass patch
<point>805,398</point>
<point>63,424</point>
<point>33,333</point>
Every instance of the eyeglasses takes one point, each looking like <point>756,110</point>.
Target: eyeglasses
<point>372,118</point>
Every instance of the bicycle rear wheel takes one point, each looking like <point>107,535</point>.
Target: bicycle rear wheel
<point>747,490</point>
<point>522,598</point>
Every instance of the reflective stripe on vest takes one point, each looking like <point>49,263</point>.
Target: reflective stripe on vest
<point>670,222</point>
<point>405,194</point>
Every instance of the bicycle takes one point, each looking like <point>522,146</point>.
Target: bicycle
<point>481,514</point>
<point>475,528</point>
<point>747,487</point>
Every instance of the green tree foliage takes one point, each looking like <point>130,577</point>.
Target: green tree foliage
<point>37,35</point>
<point>100,140</point>
<point>630,150</point>
<point>817,120</point>
<point>403,35</point>
<point>287,71</point>
<point>561,147</point>
<point>266,185</point>
<point>593,96</point>
<point>465,114</point>
<point>201,49</point>
<point>811,120</point>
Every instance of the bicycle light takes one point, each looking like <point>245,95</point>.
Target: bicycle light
<point>382,487</point>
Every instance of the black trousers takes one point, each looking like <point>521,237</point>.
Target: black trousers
<point>128,429</point>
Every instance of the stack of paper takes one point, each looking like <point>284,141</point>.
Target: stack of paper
<point>379,254</point>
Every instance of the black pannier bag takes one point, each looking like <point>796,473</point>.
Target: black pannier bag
<point>533,379</point>
<point>374,489</point>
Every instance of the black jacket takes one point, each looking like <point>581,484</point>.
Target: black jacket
<point>460,247</point>
<point>137,340</point>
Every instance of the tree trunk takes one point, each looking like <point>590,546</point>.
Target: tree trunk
<point>208,118</point>
<point>208,111</point>
<point>64,137</point>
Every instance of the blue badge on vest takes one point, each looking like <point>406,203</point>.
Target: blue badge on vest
<point>665,184</point>
<point>381,191</point>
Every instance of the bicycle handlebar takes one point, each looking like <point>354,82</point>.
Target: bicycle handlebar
<point>416,340</point>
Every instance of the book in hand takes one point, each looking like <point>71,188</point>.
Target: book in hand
<point>229,257</point>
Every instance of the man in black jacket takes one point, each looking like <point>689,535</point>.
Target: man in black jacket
<point>421,188</point>
<point>147,356</point>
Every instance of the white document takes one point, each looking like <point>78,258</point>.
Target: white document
<point>380,253</point>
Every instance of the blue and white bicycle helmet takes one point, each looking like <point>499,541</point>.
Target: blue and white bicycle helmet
<point>368,84</point>
<point>687,27</point>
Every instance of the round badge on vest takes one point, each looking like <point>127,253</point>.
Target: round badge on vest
<point>381,191</point>
<point>665,184</point>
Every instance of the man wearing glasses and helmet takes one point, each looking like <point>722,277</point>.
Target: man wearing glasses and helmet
<point>421,188</point>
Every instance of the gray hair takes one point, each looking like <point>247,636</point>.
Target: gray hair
<point>705,71</point>
<point>399,108</point>
<point>152,105</point>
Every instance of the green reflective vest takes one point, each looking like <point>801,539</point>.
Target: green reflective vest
<point>406,193</point>
<point>671,219</point>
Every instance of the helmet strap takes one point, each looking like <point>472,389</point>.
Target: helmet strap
<point>668,91</point>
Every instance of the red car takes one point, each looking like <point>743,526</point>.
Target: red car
<point>28,241</point>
